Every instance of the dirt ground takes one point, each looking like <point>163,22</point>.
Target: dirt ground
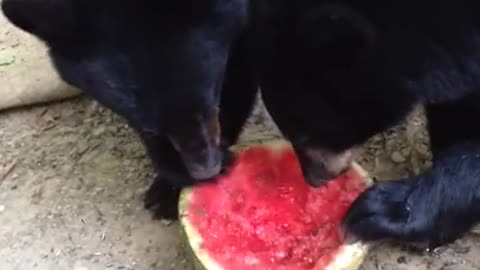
<point>72,177</point>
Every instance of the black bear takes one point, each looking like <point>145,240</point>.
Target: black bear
<point>167,67</point>
<point>334,73</point>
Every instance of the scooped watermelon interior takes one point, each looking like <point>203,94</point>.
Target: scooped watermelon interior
<point>263,215</point>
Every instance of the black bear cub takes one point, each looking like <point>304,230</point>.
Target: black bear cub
<point>173,69</point>
<point>334,73</point>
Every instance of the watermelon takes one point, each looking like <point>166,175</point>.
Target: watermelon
<point>261,214</point>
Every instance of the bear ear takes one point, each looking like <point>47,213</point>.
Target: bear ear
<point>46,19</point>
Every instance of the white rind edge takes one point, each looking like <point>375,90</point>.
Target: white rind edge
<point>349,257</point>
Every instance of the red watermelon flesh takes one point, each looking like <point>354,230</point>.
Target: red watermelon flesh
<point>263,215</point>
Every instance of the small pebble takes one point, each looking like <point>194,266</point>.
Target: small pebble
<point>166,222</point>
<point>405,151</point>
<point>422,149</point>
<point>397,157</point>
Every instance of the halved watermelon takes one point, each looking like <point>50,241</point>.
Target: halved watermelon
<point>262,215</point>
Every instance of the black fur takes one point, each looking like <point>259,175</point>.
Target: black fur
<point>334,73</point>
<point>160,64</point>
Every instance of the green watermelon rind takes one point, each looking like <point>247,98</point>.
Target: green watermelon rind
<point>349,257</point>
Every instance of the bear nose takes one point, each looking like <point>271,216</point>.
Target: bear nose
<point>321,165</point>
